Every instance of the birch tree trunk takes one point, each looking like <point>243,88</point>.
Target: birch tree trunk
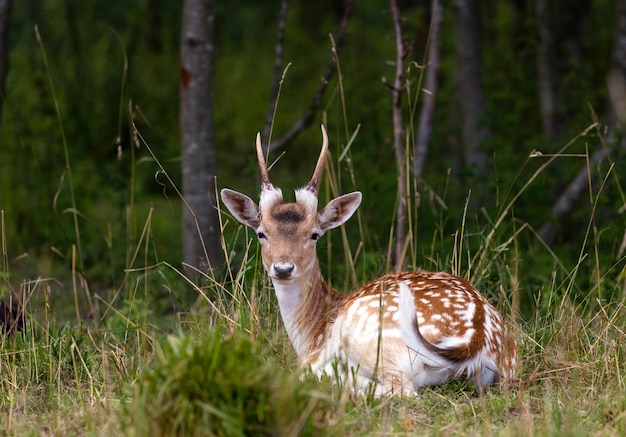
<point>201,231</point>
<point>431,85</point>
<point>5,15</point>
<point>469,80</point>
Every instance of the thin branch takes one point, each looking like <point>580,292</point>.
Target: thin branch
<point>309,114</point>
<point>431,86</point>
<point>566,201</point>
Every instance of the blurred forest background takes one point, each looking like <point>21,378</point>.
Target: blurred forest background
<point>541,69</point>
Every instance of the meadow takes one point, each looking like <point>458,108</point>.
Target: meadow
<point>138,359</point>
<point>118,341</point>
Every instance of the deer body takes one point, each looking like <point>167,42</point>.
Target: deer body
<point>402,331</point>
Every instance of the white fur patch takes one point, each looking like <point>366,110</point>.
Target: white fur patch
<point>307,199</point>
<point>408,316</point>
<point>269,198</point>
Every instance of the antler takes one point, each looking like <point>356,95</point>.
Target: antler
<point>312,186</point>
<point>265,179</point>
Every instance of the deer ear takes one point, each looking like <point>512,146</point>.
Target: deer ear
<point>242,208</point>
<point>338,211</point>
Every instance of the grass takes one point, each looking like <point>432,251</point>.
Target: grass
<point>224,365</point>
<point>139,359</point>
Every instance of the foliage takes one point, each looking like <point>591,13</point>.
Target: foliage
<point>47,374</point>
<point>220,385</point>
<point>115,67</point>
<point>98,356</point>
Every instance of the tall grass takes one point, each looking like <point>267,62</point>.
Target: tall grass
<point>224,366</point>
<point>122,362</point>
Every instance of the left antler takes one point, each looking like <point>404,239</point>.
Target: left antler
<point>265,179</point>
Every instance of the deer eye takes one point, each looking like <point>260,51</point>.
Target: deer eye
<point>261,236</point>
<point>315,236</point>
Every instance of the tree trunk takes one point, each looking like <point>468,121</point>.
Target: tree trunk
<point>5,15</point>
<point>398,139</point>
<point>546,61</point>
<point>429,97</point>
<point>617,75</point>
<point>201,230</point>
<point>469,80</point>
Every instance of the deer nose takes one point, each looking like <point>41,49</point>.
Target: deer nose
<point>283,269</point>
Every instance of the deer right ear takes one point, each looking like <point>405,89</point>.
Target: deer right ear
<point>242,208</point>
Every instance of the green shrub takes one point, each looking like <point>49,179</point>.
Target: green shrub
<point>219,385</point>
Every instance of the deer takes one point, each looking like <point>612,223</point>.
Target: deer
<point>400,332</point>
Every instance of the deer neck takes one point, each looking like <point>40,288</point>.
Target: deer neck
<point>308,306</point>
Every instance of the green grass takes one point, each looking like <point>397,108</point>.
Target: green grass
<point>127,364</point>
<point>138,356</point>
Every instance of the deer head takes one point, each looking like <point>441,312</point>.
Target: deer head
<point>288,232</point>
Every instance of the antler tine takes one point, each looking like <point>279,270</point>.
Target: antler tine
<point>265,179</point>
<point>313,184</point>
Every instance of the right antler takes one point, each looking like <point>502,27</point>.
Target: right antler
<point>313,184</point>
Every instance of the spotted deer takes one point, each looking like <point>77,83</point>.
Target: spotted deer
<point>402,331</point>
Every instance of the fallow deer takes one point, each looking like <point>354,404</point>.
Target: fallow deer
<point>402,331</point>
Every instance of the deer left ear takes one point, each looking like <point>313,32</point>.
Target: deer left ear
<point>338,211</point>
